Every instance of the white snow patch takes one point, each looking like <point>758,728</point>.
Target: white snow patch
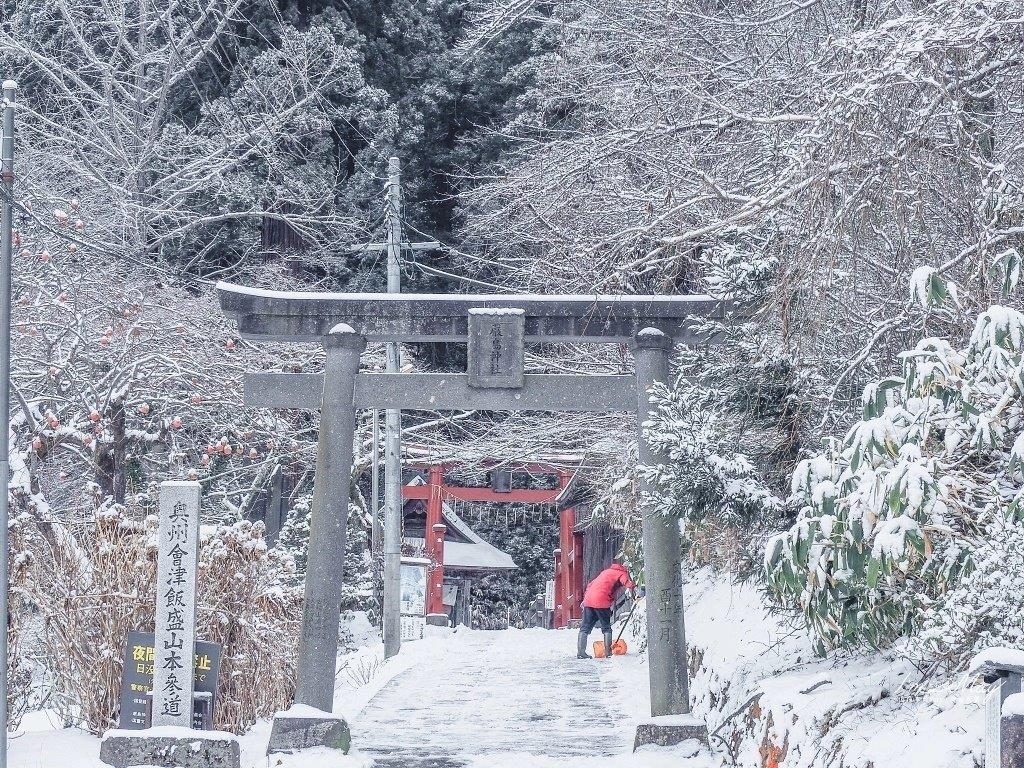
<point>1013,705</point>
<point>307,712</point>
<point>675,721</point>
<point>173,732</point>
<point>496,311</point>
<point>997,657</point>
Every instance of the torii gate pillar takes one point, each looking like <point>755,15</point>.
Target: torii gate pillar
<point>318,641</point>
<point>666,644</point>
<point>670,721</point>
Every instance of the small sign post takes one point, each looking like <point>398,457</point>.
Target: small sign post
<point>413,597</point>
<point>176,603</point>
<point>137,682</point>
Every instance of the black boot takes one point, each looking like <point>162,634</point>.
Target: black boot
<point>581,647</point>
<point>607,645</point>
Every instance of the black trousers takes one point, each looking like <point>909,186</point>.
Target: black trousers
<point>594,616</point>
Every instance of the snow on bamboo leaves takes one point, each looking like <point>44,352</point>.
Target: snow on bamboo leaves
<point>892,515</point>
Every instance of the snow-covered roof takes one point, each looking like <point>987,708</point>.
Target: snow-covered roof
<point>473,555</point>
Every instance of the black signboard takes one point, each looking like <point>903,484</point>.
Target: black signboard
<point>137,681</point>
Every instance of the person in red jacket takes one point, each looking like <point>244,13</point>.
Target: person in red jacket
<point>597,606</point>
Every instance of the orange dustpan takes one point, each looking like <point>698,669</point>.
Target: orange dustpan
<point>619,648</point>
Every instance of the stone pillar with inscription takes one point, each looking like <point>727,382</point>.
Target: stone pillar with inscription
<point>176,603</point>
<point>172,742</point>
<point>1003,670</point>
<point>662,546</point>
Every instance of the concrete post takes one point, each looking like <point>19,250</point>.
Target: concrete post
<point>666,643</point>
<point>391,605</point>
<point>318,642</point>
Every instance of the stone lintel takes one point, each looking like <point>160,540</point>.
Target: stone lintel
<point>449,391</point>
<point>306,317</point>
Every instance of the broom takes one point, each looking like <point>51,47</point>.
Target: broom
<point>619,647</point>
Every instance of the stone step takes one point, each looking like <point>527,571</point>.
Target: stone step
<point>408,759</point>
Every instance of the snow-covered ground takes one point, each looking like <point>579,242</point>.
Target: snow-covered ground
<point>519,699</point>
<point>466,699</point>
<point>856,711</point>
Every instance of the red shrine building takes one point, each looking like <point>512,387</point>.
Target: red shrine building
<point>458,556</point>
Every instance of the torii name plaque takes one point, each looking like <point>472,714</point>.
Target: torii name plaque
<point>496,351</point>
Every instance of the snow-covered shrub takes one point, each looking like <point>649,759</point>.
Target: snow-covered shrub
<point>986,608</point>
<point>706,481</point>
<point>897,513</point>
<point>93,584</point>
<point>703,477</point>
<point>90,588</point>
<point>249,605</point>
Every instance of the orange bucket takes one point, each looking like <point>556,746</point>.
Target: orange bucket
<point>619,648</point>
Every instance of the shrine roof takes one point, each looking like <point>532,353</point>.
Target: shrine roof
<point>473,554</point>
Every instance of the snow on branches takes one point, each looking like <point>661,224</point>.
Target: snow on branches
<point>903,521</point>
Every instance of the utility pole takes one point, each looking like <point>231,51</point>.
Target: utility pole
<point>393,437</point>
<point>376,529</point>
<point>391,600</point>
<point>392,434</point>
<point>6,247</point>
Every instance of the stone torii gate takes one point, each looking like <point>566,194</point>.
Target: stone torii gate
<point>495,327</point>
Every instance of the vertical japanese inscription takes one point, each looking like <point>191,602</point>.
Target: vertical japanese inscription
<point>176,603</point>
<point>496,347</point>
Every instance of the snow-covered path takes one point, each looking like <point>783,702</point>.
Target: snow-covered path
<point>497,694</point>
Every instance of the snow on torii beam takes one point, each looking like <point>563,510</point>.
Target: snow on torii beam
<point>307,317</point>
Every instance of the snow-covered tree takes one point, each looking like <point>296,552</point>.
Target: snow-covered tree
<point>847,144</point>
<point>182,138</point>
<point>920,493</point>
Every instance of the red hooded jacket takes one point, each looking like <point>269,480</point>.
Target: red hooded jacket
<point>601,591</point>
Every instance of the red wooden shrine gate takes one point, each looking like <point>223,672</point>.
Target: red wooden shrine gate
<point>568,556</point>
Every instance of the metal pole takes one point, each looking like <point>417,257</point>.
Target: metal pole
<point>6,245</point>
<point>663,576</point>
<point>376,529</point>
<point>393,439</point>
